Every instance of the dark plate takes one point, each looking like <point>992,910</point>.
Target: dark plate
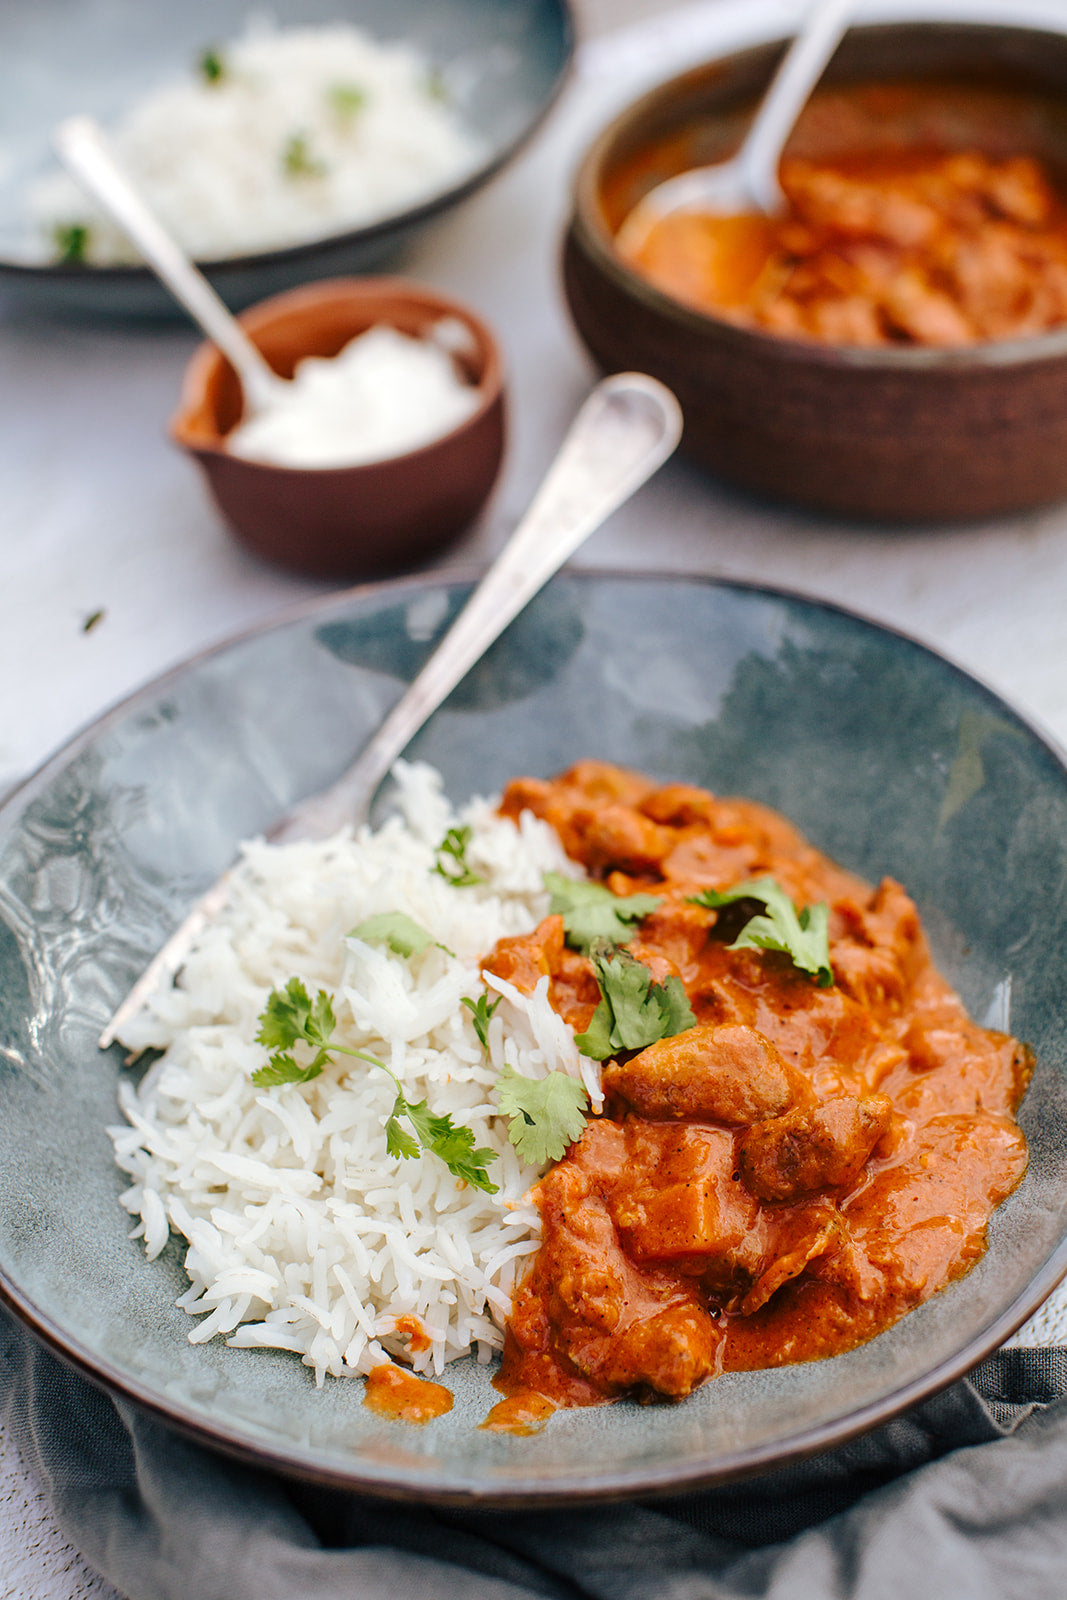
<point>890,758</point>
<point>59,57</point>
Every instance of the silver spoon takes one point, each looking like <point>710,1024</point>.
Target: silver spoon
<point>83,147</point>
<point>748,181</point>
<point>627,428</point>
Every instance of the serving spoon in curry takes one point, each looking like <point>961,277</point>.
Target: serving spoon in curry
<point>627,427</point>
<point>748,181</point>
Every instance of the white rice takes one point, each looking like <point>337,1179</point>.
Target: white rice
<point>308,132</point>
<point>303,1234</point>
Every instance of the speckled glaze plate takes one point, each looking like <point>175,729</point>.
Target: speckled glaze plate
<point>507,60</point>
<point>889,757</point>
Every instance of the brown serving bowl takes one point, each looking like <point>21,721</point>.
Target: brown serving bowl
<point>897,433</point>
<point>346,522</point>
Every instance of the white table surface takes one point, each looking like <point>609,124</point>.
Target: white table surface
<point>99,513</point>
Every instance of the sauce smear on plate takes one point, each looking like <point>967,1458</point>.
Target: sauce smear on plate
<point>400,1396</point>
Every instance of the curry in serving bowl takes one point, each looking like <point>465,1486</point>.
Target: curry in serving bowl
<point>918,212</point>
<point>895,346</point>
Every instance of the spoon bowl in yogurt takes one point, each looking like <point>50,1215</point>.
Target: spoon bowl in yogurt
<point>376,468</point>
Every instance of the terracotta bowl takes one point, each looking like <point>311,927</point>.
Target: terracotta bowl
<point>893,433</point>
<point>346,522</point>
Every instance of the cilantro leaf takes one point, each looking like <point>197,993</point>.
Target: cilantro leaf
<point>290,1015</point>
<point>435,86</point>
<point>482,1011</point>
<point>450,859</point>
<point>285,1069</point>
<point>803,936</point>
<point>72,243</point>
<point>285,1016</point>
<point>345,99</point>
<point>298,161</point>
<point>590,911</point>
<point>321,1023</point>
<point>454,1146</point>
<point>401,933</point>
<point>674,1007</point>
<point>595,1042</point>
<point>547,1114</point>
<point>398,1141</point>
<point>633,1011</point>
<point>212,66</point>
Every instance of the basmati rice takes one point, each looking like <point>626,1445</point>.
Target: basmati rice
<point>302,1233</point>
<point>305,133</point>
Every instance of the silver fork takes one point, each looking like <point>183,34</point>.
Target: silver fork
<point>627,428</point>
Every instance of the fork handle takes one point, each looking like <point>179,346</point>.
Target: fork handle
<point>627,427</point>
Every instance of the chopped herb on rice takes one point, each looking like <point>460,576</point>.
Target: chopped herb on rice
<point>302,1232</point>
<point>276,138</point>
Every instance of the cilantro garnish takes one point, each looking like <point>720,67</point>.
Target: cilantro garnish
<point>435,85</point>
<point>298,161</point>
<point>454,1146</point>
<point>803,936</point>
<point>291,1016</point>
<point>450,859</point>
<point>547,1114</point>
<point>212,66</point>
<point>346,99</point>
<point>403,935</point>
<point>592,912</point>
<point>633,1011</point>
<point>482,1012</point>
<point>72,243</point>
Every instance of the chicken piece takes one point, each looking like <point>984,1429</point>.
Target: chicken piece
<point>711,1073</point>
<point>809,1149</point>
<point>528,957</point>
<point>914,307</point>
<point>681,805</point>
<point>586,1308</point>
<point>880,948</point>
<point>671,1352</point>
<point>1018,189</point>
<point>602,783</point>
<point>843,205</point>
<point>802,1238</point>
<point>681,1204</point>
<point>616,835</point>
<point>922,1222</point>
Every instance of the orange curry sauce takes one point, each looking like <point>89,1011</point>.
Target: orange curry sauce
<point>918,242</point>
<point>790,1176</point>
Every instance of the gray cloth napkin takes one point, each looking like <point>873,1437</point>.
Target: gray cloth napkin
<point>963,1498</point>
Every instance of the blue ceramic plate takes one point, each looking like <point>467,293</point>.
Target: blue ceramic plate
<point>60,57</point>
<point>888,757</point>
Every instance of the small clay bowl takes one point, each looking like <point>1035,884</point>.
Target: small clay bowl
<point>346,522</point>
<point>893,433</point>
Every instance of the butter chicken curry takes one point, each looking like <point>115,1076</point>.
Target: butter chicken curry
<point>804,1156</point>
<point>895,232</point>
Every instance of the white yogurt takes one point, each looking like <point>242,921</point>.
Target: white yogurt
<point>384,394</point>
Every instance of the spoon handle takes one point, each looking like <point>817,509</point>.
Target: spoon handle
<point>626,429</point>
<point>801,67</point>
<point>84,150</point>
